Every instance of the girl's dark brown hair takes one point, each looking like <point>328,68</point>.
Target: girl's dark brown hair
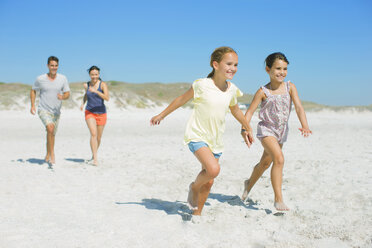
<point>270,60</point>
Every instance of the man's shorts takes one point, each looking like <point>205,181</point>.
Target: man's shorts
<point>49,118</point>
<point>100,118</point>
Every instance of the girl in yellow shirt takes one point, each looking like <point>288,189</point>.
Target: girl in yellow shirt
<point>213,97</point>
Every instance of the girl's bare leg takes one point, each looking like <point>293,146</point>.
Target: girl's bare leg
<point>203,196</point>
<point>257,172</point>
<point>200,188</point>
<point>274,149</point>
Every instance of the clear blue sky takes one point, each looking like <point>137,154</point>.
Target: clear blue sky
<point>328,43</point>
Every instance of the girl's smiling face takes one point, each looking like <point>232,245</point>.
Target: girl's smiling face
<point>228,66</point>
<point>278,71</point>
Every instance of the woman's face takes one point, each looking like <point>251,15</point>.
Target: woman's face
<point>94,75</point>
<point>228,66</point>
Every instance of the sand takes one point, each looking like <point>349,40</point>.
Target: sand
<point>136,197</point>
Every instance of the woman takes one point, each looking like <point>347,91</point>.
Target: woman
<point>96,92</point>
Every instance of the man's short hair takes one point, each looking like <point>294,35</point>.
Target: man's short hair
<point>53,58</point>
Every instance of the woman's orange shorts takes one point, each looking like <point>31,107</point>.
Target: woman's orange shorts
<point>100,118</point>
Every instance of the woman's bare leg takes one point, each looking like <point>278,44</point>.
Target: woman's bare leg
<point>92,125</point>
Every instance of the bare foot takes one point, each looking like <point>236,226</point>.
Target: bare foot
<point>92,162</point>
<point>196,219</point>
<point>280,206</point>
<point>46,158</point>
<point>52,159</point>
<point>196,212</point>
<point>50,165</point>
<point>88,160</point>
<point>246,192</point>
<point>192,198</point>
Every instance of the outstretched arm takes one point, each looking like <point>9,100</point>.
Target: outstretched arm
<point>238,114</point>
<point>32,97</point>
<point>84,101</point>
<point>249,113</point>
<point>305,130</point>
<point>175,104</point>
<point>84,98</point>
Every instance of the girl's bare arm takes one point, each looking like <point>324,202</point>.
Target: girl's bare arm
<point>305,130</point>
<point>175,104</point>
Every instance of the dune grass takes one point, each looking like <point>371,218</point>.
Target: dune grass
<point>140,95</point>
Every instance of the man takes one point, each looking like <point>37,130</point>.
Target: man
<point>53,88</point>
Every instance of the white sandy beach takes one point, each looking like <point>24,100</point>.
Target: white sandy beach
<point>136,197</point>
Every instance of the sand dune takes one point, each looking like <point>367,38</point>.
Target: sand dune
<point>137,196</point>
<point>15,96</point>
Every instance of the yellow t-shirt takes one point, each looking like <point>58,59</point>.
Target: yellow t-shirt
<point>207,121</point>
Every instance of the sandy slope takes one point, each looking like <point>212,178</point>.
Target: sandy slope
<point>136,197</point>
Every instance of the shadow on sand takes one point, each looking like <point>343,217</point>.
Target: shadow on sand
<point>75,160</point>
<point>170,208</point>
<point>35,161</point>
<point>32,161</point>
<point>236,201</point>
<point>182,209</point>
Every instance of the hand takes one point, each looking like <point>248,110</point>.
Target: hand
<point>248,137</point>
<point>59,96</point>
<point>33,110</point>
<point>82,107</point>
<point>305,132</point>
<point>156,120</point>
<point>91,89</point>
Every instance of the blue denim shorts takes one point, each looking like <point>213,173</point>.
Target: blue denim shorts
<point>194,146</point>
